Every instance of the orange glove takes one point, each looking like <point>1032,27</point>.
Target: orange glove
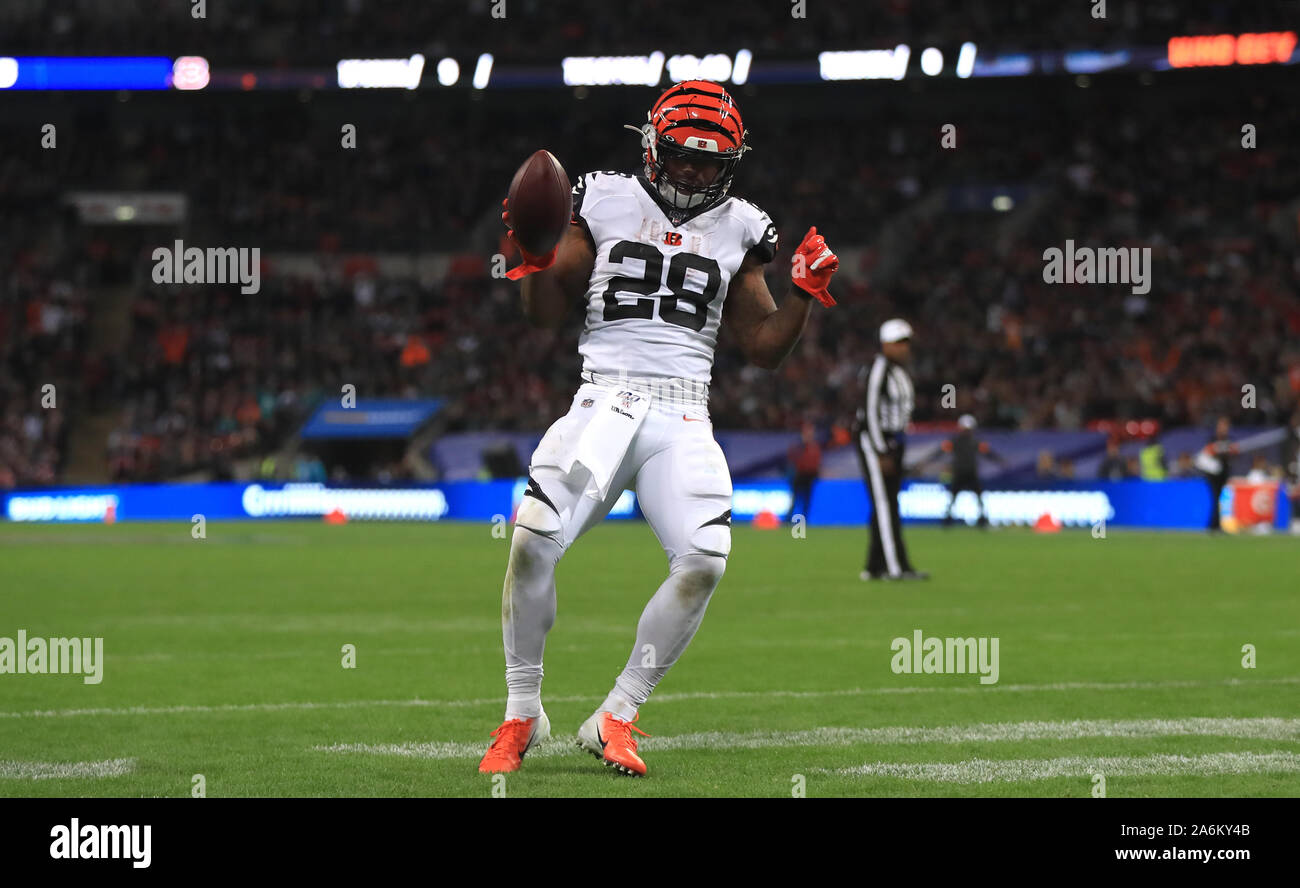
<point>531,262</point>
<point>817,266</point>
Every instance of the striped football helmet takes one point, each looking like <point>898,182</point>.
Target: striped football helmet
<point>692,119</point>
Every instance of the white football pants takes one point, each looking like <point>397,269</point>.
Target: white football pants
<point>683,488</point>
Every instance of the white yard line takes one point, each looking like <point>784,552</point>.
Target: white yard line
<point>1254,728</point>
<point>854,642</point>
<point>499,701</point>
<point>11,770</point>
<point>1016,770</point>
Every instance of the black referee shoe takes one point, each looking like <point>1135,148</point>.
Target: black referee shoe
<point>873,575</point>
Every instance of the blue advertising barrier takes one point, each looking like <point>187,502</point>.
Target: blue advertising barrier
<point>1184,503</point>
<point>459,500</point>
<point>1174,504</point>
<point>86,72</point>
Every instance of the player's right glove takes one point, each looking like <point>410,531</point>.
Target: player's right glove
<point>531,262</point>
<point>813,264</point>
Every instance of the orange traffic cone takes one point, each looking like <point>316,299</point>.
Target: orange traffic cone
<point>766,520</point>
<point>336,516</point>
<point>110,514</point>
<point>1046,523</point>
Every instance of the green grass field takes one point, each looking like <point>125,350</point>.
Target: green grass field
<point>1120,656</point>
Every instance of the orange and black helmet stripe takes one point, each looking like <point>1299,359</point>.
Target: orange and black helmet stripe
<point>699,108</point>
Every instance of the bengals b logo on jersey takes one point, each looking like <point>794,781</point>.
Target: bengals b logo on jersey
<point>673,239</point>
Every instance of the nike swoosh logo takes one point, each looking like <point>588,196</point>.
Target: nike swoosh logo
<point>689,419</point>
<point>600,738</point>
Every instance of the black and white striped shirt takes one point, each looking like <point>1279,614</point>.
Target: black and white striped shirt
<point>888,408</point>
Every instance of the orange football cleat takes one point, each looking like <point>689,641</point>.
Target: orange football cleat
<point>512,740</point>
<point>610,739</point>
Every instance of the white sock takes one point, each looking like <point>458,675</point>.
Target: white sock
<point>527,614</point>
<point>618,706</point>
<point>524,692</point>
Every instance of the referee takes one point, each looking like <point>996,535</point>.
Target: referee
<point>881,422</point>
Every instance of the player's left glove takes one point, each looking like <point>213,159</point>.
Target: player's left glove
<point>813,264</point>
<point>530,262</point>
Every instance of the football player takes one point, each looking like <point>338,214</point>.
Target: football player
<point>653,255</point>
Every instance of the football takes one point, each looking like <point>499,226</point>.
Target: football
<point>541,203</point>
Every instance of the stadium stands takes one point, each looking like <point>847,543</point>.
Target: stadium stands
<point>204,376</point>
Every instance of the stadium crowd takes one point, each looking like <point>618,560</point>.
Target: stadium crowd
<point>209,375</point>
<point>48,375</point>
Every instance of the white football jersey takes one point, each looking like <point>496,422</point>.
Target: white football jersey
<point>654,303</point>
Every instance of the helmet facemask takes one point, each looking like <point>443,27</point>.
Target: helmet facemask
<point>683,195</point>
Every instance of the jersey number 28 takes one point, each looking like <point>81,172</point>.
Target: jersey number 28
<point>650,282</point>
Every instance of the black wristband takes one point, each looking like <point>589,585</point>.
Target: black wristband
<point>800,291</point>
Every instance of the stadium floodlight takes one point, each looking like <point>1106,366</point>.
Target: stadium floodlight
<point>381,73</point>
<point>483,71</point>
<point>931,61</point>
<point>448,72</point>
<point>608,70</point>
<point>966,60</point>
<point>740,70</point>
<point>865,64</point>
<point>715,66</point>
